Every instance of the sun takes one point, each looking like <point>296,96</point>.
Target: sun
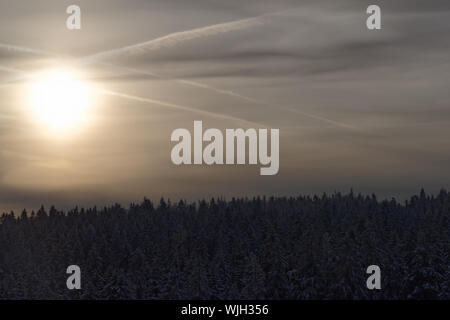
<point>60,100</point>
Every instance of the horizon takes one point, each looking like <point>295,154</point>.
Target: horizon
<point>156,201</point>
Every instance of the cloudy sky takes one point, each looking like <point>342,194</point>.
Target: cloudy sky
<point>368,110</point>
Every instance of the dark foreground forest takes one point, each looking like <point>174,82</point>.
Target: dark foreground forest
<point>273,248</point>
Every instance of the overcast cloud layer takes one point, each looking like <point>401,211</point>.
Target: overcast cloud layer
<point>368,110</point>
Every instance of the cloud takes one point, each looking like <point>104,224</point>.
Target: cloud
<point>339,46</point>
<point>367,108</point>
<point>174,39</point>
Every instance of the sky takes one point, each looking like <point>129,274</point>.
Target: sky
<point>356,108</point>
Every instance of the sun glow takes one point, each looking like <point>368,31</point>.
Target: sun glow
<point>60,100</point>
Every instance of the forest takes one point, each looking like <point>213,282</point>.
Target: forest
<point>299,248</point>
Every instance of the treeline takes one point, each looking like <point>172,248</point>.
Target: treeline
<point>260,248</point>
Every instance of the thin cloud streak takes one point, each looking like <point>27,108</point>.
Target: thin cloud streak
<point>21,49</point>
<point>179,107</point>
<point>182,81</point>
<point>173,39</point>
<point>12,70</point>
<point>154,101</point>
<point>182,36</point>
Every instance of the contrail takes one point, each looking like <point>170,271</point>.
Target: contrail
<point>8,69</point>
<point>180,107</point>
<point>182,81</point>
<point>154,101</point>
<point>173,39</point>
<point>22,75</point>
<point>11,47</point>
<point>313,116</point>
<point>158,43</point>
<point>13,70</point>
<point>169,40</point>
<point>137,71</point>
<point>165,41</point>
<point>236,95</point>
<point>177,37</point>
